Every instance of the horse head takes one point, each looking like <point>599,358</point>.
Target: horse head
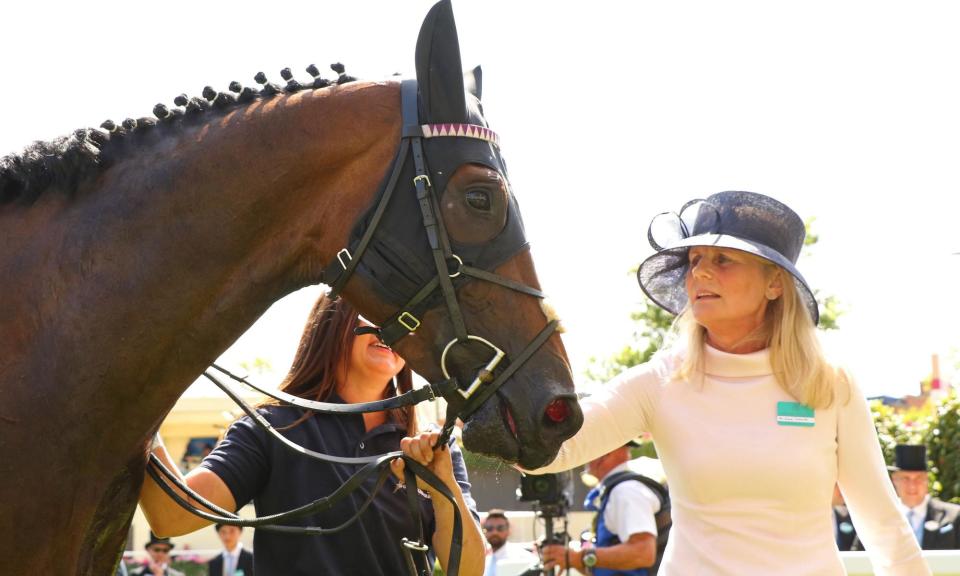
<point>448,264</point>
<point>158,241</point>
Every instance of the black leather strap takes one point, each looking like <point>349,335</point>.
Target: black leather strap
<point>416,563</point>
<point>262,422</point>
<point>393,329</point>
<point>456,536</point>
<point>410,398</point>
<point>488,390</point>
<point>501,280</point>
<point>271,522</point>
<point>336,273</point>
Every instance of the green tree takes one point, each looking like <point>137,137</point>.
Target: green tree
<point>934,424</point>
<point>942,438</point>
<point>899,426</point>
<point>830,306</point>
<point>258,365</point>
<point>652,325</point>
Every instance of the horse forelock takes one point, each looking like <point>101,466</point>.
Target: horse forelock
<point>66,163</point>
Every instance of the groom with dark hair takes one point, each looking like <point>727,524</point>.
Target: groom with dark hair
<point>234,560</point>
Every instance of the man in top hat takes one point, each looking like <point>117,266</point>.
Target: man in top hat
<point>158,564</point>
<point>936,524</point>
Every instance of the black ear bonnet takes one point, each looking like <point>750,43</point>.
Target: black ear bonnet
<point>398,261</point>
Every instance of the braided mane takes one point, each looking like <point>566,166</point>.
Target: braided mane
<point>67,162</point>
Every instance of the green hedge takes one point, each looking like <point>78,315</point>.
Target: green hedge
<point>937,425</point>
<point>943,451</point>
<point>188,567</point>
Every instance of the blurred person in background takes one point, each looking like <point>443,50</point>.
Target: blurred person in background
<point>158,558</point>
<point>496,528</point>
<point>234,560</point>
<point>630,525</point>
<point>935,523</point>
<point>843,529</point>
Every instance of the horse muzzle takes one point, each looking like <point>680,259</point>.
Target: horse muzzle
<point>527,429</point>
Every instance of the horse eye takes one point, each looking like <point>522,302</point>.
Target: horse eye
<point>478,199</point>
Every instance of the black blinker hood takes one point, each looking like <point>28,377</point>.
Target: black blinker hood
<point>398,260</point>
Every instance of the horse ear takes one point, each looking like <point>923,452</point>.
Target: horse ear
<point>439,72</point>
<point>473,81</point>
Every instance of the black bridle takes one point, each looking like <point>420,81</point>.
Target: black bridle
<point>462,398</point>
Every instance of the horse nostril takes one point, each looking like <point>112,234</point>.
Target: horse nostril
<point>558,411</point>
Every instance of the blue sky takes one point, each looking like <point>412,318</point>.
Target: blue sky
<point>609,112</point>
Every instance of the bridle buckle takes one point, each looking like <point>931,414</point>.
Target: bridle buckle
<point>459,266</point>
<point>340,255</point>
<point>414,545</point>
<point>484,375</point>
<point>408,321</point>
<point>423,179</point>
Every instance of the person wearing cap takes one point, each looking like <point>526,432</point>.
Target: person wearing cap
<point>158,558</point>
<point>631,522</point>
<point>752,423</point>
<point>935,523</point>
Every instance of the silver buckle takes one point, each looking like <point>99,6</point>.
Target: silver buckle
<point>414,545</point>
<point>340,256</point>
<point>459,266</point>
<point>408,321</point>
<point>483,375</point>
<point>423,177</point>
<point>409,545</point>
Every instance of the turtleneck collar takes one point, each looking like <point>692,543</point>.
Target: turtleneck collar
<point>724,364</point>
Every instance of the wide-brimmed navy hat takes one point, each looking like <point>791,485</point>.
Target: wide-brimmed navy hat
<point>745,221</point>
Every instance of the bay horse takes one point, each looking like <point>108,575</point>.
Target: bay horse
<point>133,257</point>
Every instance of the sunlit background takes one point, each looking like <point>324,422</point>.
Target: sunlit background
<point>609,112</point>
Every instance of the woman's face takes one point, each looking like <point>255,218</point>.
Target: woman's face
<point>729,290</point>
<point>371,358</point>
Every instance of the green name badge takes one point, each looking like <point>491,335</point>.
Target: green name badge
<point>794,414</point>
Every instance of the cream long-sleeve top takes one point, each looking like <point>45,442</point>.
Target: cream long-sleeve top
<point>751,492</point>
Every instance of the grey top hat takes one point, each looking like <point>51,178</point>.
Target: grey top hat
<point>909,458</point>
<point>745,221</point>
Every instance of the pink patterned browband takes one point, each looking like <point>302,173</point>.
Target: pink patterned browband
<point>463,130</point>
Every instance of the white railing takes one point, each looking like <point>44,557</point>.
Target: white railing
<point>941,562</point>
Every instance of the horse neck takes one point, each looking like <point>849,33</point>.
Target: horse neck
<point>184,244</point>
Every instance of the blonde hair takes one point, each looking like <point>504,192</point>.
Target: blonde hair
<point>797,360</point>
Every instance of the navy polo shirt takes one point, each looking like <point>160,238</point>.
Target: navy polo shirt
<point>256,466</point>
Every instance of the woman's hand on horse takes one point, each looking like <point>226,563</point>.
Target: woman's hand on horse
<point>423,448</point>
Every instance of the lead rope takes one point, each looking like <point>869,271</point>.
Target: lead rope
<point>378,465</point>
<point>420,545</point>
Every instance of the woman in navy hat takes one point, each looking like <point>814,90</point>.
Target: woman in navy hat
<point>752,423</point>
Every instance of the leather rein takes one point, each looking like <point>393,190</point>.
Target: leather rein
<point>462,398</point>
